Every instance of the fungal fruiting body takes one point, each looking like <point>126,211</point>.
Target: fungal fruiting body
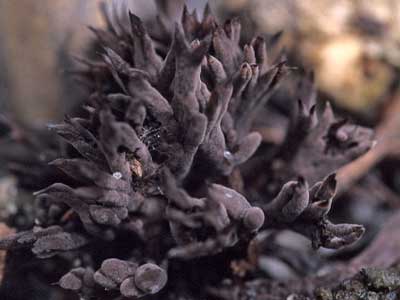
<point>153,170</point>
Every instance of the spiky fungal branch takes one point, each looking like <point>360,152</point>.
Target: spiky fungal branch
<point>153,171</point>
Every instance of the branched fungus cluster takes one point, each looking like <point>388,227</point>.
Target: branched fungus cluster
<point>162,172</point>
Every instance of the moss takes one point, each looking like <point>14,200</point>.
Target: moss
<point>323,294</point>
<point>382,280</point>
<point>368,284</point>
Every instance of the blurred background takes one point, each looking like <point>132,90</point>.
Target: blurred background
<point>353,47</point>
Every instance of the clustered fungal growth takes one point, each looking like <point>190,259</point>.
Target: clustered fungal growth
<point>156,172</point>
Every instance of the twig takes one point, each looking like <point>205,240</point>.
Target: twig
<point>387,145</point>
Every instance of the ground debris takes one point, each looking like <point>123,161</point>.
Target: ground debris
<point>368,284</point>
